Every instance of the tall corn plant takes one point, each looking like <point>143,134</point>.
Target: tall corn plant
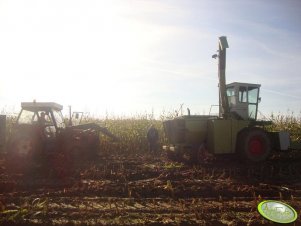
<point>130,131</point>
<point>290,123</point>
<point>10,121</point>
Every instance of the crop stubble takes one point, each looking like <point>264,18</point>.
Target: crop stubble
<point>133,189</point>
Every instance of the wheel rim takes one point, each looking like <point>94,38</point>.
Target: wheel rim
<point>256,146</point>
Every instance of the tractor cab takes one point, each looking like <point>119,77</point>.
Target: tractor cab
<point>45,115</point>
<point>243,99</point>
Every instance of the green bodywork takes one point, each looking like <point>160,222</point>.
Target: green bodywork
<point>187,129</point>
<point>190,132</point>
<point>222,135</point>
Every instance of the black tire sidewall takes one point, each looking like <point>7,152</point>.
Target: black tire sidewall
<point>244,140</point>
<point>18,162</point>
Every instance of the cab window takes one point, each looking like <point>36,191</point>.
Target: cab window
<point>230,92</point>
<point>28,117</point>
<point>242,94</point>
<point>253,95</point>
<point>59,119</point>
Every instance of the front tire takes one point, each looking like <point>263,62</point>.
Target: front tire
<point>254,145</point>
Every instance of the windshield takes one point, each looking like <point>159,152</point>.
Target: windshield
<point>59,119</point>
<point>253,95</point>
<point>34,117</point>
<point>28,117</point>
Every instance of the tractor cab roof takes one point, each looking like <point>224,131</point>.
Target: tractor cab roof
<point>41,106</point>
<point>243,84</point>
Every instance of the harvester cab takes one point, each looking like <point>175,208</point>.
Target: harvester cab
<point>243,99</point>
<point>237,100</point>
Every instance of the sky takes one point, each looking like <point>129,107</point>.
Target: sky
<point>133,57</point>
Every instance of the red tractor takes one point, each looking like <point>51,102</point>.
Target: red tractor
<point>40,137</point>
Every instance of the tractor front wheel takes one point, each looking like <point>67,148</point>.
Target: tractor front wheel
<point>254,145</point>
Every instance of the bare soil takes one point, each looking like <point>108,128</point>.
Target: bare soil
<point>142,189</point>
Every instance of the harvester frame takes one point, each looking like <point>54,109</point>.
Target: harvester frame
<point>236,129</point>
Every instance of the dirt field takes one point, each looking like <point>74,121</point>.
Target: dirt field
<point>141,189</point>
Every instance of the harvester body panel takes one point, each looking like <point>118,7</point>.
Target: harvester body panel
<point>222,134</point>
<point>187,129</point>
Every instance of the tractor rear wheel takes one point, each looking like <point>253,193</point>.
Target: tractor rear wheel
<point>22,153</point>
<point>254,145</point>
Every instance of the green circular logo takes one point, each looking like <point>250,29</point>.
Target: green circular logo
<point>276,211</point>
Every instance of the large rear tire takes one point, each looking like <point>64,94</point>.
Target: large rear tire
<point>254,145</point>
<point>23,152</point>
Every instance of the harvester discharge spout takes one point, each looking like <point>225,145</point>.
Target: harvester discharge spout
<point>223,100</point>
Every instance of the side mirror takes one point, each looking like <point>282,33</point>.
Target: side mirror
<point>259,99</point>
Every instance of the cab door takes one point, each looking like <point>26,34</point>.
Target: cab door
<point>253,97</point>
